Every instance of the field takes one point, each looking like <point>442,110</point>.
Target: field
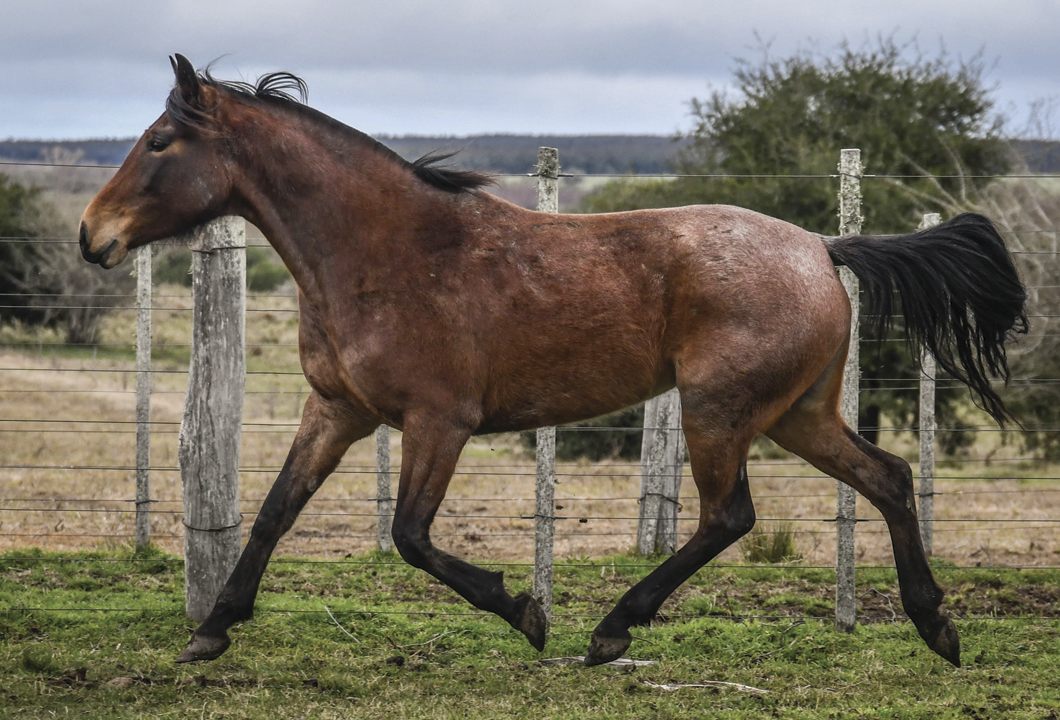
<point>67,439</point>
<point>372,638</point>
<point>89,627</point>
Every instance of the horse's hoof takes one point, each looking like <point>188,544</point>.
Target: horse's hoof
<point>530,620</point>
<point>947,643</point>
<point>204,648</point>
<point>605,649</point>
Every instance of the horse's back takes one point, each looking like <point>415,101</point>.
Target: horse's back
<point>610,302</point>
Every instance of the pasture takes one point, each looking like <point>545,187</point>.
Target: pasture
<point>343,631</point>
<point>398,644</point>
<point>89,627</point>
<point>70,476</point>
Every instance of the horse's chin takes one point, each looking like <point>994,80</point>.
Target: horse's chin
<point>114,256</point>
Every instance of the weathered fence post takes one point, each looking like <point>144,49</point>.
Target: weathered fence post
<point>661,462</point>
<point>846,499</point>
<point>545,495</point>
<point>384,512</point>
<point>211,429</point>
<point>926,489</point>
<point>143,397</point>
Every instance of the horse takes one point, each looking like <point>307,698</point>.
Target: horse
<point>431,306</point>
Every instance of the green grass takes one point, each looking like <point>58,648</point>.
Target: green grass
<point>773,545</point>
<point>114,622</point>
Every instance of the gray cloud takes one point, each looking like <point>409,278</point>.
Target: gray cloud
<point>77,69</point>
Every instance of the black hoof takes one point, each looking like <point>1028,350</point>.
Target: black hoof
<point>947,643</point>
<point>605,649</point>
<point>204,648</point>
<point>530,620</point>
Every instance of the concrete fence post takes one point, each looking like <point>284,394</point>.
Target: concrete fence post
<point>143,397</point>
<point>211,429</point>
<point>545,493</point>
<point>850,220</point>
<point>926,489</point>
<point>384,500</point>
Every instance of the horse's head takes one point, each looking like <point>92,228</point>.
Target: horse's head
<point>178,175</point>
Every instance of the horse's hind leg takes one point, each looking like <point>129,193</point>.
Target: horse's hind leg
<point>429,452</point>
<point>718,455</point>
<point>814,430</point>
<point>327,431</point>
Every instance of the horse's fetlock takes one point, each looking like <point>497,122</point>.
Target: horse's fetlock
<point>738,519</point>
<point>411,546</point>
<point>924,601</point>
<point>744,522</point>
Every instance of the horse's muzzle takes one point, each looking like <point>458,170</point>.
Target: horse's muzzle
<point>93,257</point>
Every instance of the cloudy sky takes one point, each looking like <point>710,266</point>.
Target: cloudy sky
<point>75,69</point>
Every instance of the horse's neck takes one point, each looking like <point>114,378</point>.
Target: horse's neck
<point>321,212</point>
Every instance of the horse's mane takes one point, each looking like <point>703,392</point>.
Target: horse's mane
<point>283,87</point>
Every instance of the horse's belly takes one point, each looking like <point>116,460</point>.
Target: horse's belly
<point>563,392</point>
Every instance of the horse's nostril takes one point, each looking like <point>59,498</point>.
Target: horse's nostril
<point>84,237</point>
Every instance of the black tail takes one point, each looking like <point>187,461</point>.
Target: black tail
<point>961,295</point>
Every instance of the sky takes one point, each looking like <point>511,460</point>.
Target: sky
<point>76,69</point>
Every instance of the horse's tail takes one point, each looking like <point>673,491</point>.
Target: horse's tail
<point>960,295</point>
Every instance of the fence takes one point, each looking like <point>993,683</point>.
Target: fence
<point>656,511</point>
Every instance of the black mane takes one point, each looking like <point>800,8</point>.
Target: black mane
<point>291,90</point>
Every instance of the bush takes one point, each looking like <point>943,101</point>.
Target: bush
<point>264,270</point>
<point>771,547</point>
<point>594,445</point>
<point>47,282</point>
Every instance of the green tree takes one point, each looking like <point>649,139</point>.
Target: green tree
<point>911,116</point>
<point>43,279</point>
<point>20,219</point>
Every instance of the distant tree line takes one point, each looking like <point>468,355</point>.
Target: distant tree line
<point>595,154</point>
<point>591,154</point>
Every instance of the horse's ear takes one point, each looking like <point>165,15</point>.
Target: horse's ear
<point>187,80</point>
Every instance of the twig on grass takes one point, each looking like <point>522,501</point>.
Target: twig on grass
<point>709,684</point>
<point>580,660</point>
<point>885,596</point>
<point>428,642</point>
<point>339,626</point>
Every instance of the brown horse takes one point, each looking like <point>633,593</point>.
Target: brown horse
<point>433,307</point>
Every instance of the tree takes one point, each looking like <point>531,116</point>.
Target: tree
<point>43,279</point>
<point>911,116</point>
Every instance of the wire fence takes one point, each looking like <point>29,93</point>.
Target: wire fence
<point>68,422</point>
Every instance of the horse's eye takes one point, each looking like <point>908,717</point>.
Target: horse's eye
<point>156,145</point>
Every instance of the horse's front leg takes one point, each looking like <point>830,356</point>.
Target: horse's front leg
<point>328,429</point>
<point>429,452</point>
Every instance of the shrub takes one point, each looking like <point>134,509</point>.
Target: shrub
<point>771,547</point>
<point>45,280</point>
<point>602,444</point>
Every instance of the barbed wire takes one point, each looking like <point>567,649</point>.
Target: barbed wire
<point>31,425</point>
<point>1033,523</point>
<point>754,176</point>
<point>560,566</point>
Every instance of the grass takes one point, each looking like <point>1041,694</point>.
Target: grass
<point>114,623</point>
<point>775,545</point>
